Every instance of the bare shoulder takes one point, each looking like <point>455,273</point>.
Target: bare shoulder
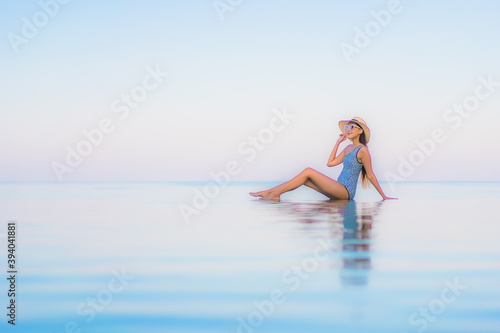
<point>348,149</point>
<point>363,153</point>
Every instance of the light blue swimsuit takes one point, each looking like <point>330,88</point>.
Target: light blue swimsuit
<point>350,173</point>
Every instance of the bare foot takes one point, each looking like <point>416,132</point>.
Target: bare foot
<point>271,196</point>
<point>259,194</point>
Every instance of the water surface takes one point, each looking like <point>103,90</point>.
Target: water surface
<point>120,257</point>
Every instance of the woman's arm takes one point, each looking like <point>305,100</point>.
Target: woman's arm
<point>366,159</point>
<point>332,160</point>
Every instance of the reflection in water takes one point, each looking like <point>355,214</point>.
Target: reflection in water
<point>349,224</point>
<point>356,244</point>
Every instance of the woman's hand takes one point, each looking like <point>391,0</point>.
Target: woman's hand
<point>387,198</point>
<point>341,138</point>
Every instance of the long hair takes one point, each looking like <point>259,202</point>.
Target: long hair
<point>364,180</point>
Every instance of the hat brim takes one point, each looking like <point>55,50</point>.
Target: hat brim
<point>365,128</point>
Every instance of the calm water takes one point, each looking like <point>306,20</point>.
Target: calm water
<point>120,257</point>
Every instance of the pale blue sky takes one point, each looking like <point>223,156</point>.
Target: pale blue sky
<point>225,77</point>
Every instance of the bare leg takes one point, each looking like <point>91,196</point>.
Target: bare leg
<point>308,183</point>
<point>265,192</point>
<point>260,193</point>
<point>313,179</point>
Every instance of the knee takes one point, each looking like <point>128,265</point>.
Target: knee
<point>307,171</point>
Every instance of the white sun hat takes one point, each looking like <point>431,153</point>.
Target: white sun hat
<point>358,121</point>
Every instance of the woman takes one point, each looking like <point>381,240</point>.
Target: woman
<point>356,159</point>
